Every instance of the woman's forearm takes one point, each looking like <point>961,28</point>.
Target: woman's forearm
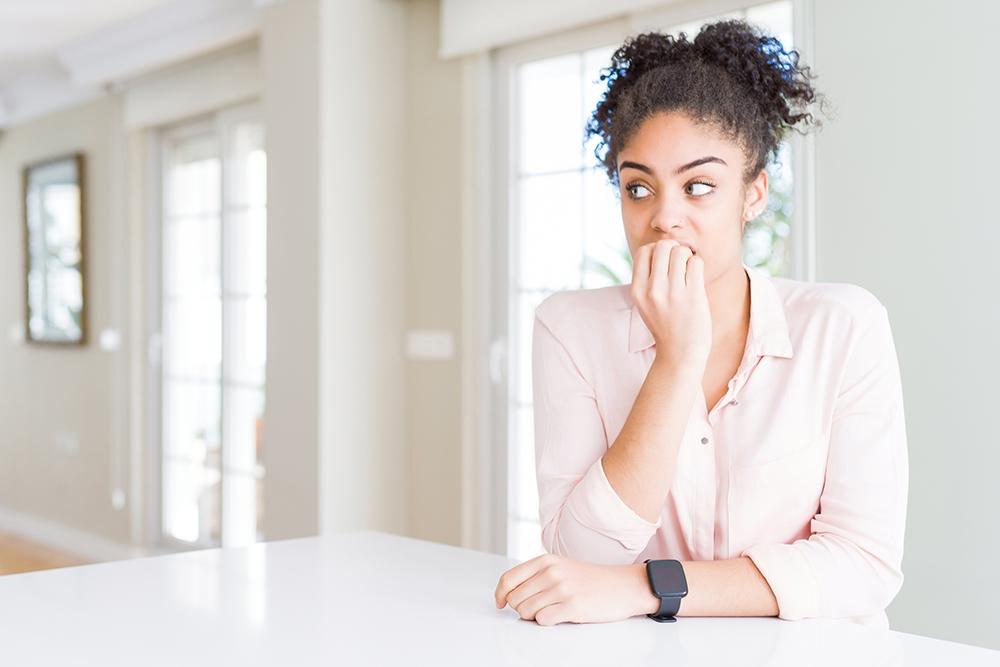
<point>640,463</point>
<point>733,587</point>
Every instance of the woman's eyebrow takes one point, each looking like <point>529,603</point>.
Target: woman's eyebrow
<point>679,170</point>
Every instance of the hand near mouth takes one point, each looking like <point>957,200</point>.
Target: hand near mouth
<point>668,287</point>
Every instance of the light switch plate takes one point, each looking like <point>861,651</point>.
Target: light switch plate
<point>430,345</point>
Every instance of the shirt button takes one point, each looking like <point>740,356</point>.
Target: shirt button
<point>704,441</point>
<point>734,402</point>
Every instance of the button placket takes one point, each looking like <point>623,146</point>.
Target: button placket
<point>704,498</point>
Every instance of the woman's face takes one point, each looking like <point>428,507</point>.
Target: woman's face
<point>683,181</point>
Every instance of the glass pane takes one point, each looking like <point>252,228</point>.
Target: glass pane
<point>691,28</point>
<point>246,236</point>
<point>524,326</point>
<point>193,185</point>
<point>766,242</point>
<point>245,346</point>
<point>191,502</point>
<point>243,428</point>
<point>214,285</point>
<point>606,257</point>
<point>594,61</point>
<point>191,256</point>
<point>524,486</point>
<point>192,338</point>
<point>191,422</point>
<point>775,18</point>
<point>247,178</point>
<point>551,231</point>
<point>246,349</point>
<point>524,539</point>
<point>550,97</point>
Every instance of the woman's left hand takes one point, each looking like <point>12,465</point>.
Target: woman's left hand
<point>552,589</point>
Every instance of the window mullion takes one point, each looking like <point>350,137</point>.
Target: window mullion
<point>224,260</point>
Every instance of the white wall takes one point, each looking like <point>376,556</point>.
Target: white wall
<point>363,456</point>
<point>906,199</point>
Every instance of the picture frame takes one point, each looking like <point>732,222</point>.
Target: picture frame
<point>55,276</point>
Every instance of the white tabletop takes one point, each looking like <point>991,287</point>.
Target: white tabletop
<point>371,598</point>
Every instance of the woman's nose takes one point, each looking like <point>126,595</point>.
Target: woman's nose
<point>668,215</point>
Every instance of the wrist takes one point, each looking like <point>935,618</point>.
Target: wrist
<point>690,367</point>
<point>645,601</point>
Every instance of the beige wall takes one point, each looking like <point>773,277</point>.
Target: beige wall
<point>46,390</point>
<point>433,276</point>
<point>289,58</point>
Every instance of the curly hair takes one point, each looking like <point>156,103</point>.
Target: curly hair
<point>730,76</point>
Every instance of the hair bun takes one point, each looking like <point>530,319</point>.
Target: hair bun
<point>762,64</point>
<point>730,74</point>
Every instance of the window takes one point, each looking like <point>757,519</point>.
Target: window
<point>213,323</point>
<point>566,230</point>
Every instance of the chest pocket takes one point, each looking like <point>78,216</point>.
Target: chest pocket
<point>775,447</point>
<point>774,499</point>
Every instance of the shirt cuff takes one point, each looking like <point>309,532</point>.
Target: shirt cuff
<point>788,572</point>
<point>596,505</point>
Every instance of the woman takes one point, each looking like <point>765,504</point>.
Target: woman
<point>749,427</point>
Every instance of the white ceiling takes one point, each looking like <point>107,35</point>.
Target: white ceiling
<point>31,31</point>
<point>57,53</point>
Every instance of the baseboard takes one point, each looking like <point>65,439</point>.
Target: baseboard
<point>70,540</point>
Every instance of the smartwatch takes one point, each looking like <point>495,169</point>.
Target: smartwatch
<point>666,579</point>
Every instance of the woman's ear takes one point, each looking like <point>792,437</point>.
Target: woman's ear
<point>756,197</point>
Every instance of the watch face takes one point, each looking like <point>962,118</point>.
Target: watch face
<point>667,578</point>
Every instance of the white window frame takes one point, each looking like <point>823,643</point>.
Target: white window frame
<point>488,149</point>
<point>217,122</point>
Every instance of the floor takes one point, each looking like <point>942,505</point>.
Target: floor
<point>20,555</point>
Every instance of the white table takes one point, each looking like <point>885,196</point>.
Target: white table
<point>371,598</point>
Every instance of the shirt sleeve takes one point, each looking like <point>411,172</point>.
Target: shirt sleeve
<point>581,515</point>
<point>851,563</point>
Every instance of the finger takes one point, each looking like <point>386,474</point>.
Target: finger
<point>679,255</point>
<point>515,576</point>
<point>536,584</point>
<point>640,268</point>
<point>559,612</point>
<point>696,271</point>
<point>659,278</point>
<point>549,595</point>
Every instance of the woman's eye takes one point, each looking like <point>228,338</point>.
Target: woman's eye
<point>698,188</point>
<point>633,187</point>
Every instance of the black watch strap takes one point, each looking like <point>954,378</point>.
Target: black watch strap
<point>670,603</point>
<point>667,613</point>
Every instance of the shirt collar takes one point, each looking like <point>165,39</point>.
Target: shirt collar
<point>768,333</point>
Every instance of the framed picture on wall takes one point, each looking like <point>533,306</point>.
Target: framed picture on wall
<point>55,267</point>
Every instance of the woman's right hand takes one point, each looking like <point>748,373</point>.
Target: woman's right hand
<point>668,286</point>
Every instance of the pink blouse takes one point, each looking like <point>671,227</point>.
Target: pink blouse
<point>801,466</point>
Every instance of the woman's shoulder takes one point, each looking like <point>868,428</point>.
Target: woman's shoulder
<point>571,308</point>
<point>835,299</point>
